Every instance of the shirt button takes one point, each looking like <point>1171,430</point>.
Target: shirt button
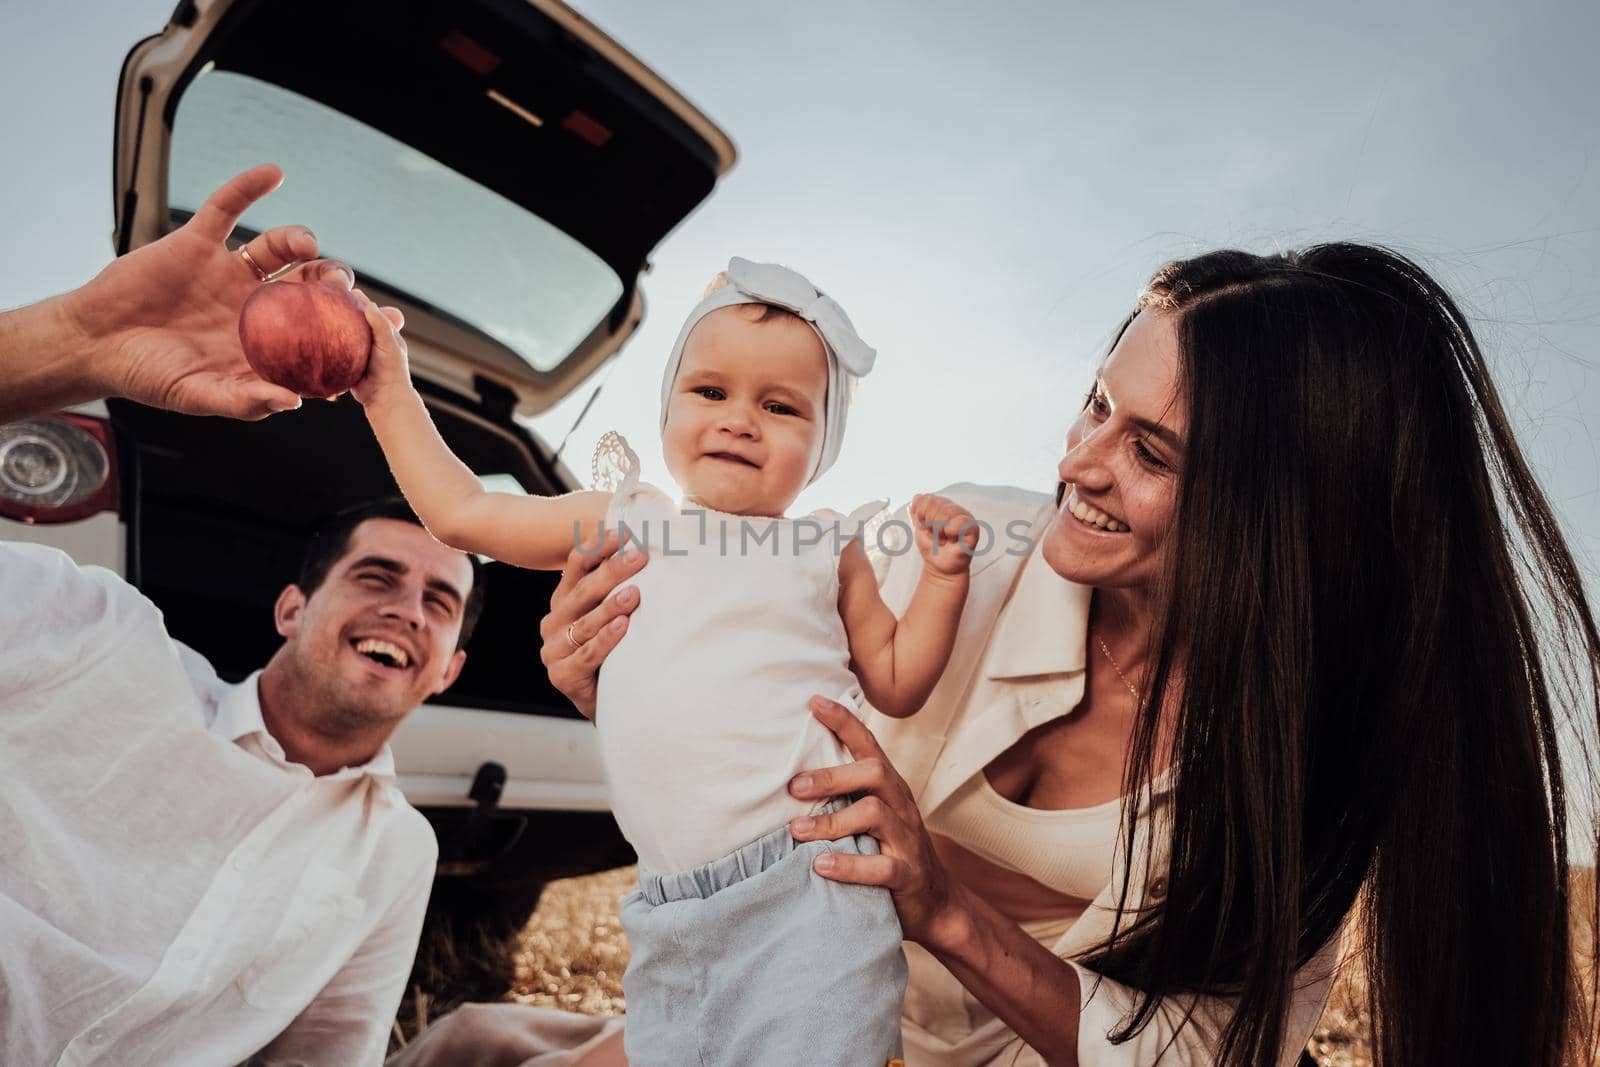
<point>97,1036</point>
<point>241,863</point>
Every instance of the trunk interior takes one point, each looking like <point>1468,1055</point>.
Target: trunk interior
<point>219,512</point>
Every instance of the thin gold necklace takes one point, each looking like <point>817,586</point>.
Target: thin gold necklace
<point>1113,662</point>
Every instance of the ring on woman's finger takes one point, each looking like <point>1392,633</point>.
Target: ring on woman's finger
<point>573,641</point>
<point>244,254</point>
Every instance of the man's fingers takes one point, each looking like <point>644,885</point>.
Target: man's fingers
<point>322,270</point>
<point>280,247</point>
<point>858,870</point>
<point>235,396</point>
<point>220,213</point>
<point>271,399</point>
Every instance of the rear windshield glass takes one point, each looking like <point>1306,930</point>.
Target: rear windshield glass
<point>393,214</point>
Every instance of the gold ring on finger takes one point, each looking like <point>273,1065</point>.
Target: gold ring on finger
<point>244,253</point>
<point>573,641</point>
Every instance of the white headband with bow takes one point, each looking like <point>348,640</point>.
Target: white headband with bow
<point>849,357</point>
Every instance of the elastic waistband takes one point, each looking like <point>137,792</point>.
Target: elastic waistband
<point>698,883</point>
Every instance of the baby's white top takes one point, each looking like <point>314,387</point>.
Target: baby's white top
<point>702,710</point>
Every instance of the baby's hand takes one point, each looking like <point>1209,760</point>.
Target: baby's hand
<point>388,367</point>
<point>947,534</point>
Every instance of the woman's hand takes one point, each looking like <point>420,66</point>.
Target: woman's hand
<point>924,896</point>
<point>1020,980</point>
<point>160,325</point>
<point>586,621</point>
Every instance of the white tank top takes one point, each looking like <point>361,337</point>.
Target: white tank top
<point>701,712</point>
<point>1070,850</point>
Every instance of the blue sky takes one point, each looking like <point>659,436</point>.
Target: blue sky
<point>986,188</point>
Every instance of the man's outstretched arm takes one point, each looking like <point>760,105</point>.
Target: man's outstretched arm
<point>160,324</point>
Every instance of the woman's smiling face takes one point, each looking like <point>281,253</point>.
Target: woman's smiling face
<point>1124,453</point>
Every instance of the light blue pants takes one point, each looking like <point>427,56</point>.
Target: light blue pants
<point>755,960</point>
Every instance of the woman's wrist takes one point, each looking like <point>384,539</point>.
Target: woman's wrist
<point>951,931</point>
<point>1020,980</point>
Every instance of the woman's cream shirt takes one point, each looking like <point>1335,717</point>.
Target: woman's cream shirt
<point>1019,661</point>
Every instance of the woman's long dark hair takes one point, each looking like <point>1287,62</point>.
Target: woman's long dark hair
<point>1371,627</point>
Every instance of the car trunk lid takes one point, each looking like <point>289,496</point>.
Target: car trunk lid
<point>499,169</point>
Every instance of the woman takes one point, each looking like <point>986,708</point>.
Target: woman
<point>1297,643</point>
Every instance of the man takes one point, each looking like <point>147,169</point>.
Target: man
<point>191,872</point>
<point>198,872</point>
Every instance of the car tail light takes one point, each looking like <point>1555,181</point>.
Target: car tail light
<point>57,468</point>
<point>587,128</point>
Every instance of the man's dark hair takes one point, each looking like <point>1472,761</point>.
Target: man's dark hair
<point>332,539</point>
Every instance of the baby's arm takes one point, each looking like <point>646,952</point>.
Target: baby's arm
<point>898,661</point>
<point>526,531</point>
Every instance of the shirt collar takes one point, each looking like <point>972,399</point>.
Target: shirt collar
<point>1044,626</point>
<point>238,717</point>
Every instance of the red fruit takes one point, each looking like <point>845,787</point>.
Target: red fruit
<point>311,337</point>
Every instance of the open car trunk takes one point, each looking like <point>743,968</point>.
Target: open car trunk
<point>499,169</point>
<point>224,510</point>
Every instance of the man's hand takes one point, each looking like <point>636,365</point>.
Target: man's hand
<point>160,325</point>
<point>947,534</point>
<point>586,621</point>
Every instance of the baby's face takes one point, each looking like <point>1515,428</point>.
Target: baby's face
<point>745,418</point>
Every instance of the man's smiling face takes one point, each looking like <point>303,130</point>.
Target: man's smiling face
<point>379,635</point>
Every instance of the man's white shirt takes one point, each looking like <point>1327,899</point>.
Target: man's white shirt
<point>172,890</point>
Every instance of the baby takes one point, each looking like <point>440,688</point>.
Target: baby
<point>740,954</point>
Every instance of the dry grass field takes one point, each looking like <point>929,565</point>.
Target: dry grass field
<point>572,954</point>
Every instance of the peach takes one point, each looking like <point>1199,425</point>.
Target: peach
<point>311,337</point>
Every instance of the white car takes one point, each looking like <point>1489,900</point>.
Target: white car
<point>501,170</point>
